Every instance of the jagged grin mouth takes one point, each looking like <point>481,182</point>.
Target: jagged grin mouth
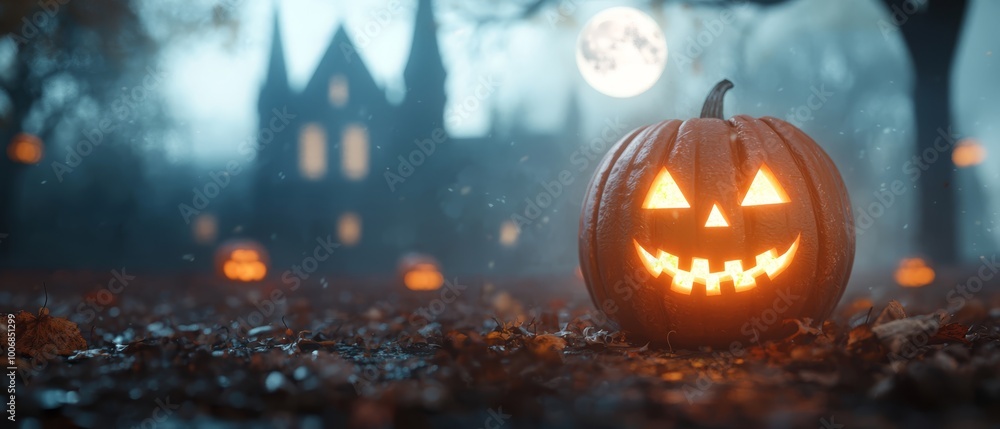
<point>768,262</point>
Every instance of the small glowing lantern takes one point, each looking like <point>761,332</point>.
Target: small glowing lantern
<point>968,152</point>
<point>914,272</point>
<point>25,149</point>
<point>697,228</point>
<point>338,91</point>
<point>242,260</point>
<point>420,272</point>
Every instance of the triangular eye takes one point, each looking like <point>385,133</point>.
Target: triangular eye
<point>664,194</point>
<point>765,189</point>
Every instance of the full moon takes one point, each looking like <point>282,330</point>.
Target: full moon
<point>621,52</point>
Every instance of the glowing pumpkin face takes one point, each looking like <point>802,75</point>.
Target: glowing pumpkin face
<point>665,194</point>
<point>702,227</point>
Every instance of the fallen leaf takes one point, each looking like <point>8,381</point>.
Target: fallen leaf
<point>858,336</point>
<point>43,334</point>
<point>310,345</point>
<point>803,328</point>
<point>891,312</point>
<point>496,338</point>
<point>911,332</point>
<point>952,332</point>
<point>548,347</point>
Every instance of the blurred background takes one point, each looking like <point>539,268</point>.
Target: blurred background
<point>234,138</point>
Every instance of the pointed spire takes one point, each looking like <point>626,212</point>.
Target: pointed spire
<point>425,56</point>
<point>277,75</point>
<point>424,75</point>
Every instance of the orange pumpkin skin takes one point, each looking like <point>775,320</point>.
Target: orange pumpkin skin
<point>713,163</point>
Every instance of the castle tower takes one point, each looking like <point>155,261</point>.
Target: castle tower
<point>275,92</point>
<point>424,75</point>
<point>276,81</point>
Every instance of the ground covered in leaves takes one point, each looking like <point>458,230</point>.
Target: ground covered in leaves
<point>531,354</point>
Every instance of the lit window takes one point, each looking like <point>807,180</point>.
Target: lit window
<point>312,152</point>
<point>508,233</point>
<point>206,228</point>
<point>338,91</point>
<point>354,152</point>
<point>349,229</point>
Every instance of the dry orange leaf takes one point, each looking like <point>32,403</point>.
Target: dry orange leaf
<point>952,332</point>
<point>892,312</point>
<point>44,334</point>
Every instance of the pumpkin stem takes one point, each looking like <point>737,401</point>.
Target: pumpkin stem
<point>713,103</point>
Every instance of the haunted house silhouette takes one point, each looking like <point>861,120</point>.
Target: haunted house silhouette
<point>382,179</point>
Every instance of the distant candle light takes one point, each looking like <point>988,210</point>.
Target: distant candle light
<point>25,148</point>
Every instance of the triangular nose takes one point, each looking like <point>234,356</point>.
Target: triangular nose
<point>715,218</point>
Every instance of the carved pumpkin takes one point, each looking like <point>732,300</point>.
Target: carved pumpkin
<point>242,261</point>
<point>420,272</point>
<point>913,272</point>
<point>714,230</point>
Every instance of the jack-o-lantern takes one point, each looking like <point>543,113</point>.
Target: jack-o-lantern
<point>913,272</point>
<point>420,272</point>
<point>242,261</point>
<point>713,231</point>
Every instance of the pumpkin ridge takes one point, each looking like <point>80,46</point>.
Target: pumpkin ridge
<point>848,217</point>
<point>649,136</point>
<point>815,201</point>
<point>667,154</point>
<point>739,153</point>
<point>598,195</point>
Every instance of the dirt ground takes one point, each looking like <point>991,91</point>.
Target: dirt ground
<point>181,352</point>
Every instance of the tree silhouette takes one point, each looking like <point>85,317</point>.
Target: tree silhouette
<point>70,63</point>
<point>931,30</point>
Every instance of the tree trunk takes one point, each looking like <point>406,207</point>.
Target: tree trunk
<point>931,34</point>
